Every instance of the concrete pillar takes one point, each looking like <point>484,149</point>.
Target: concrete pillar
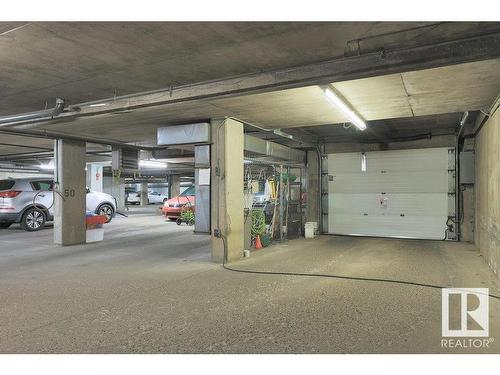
<point>227,188</point>
<point>144,193</point>
<point>174,185</point>
<point>313,181</point>
<point>202,188</point>
<point>115,187</point>
<point>69,212</point>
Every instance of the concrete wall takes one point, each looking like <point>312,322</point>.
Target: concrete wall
<point>468,222</point>
<point>487,188</point>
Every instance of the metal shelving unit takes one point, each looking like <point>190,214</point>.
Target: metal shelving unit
<point>288,209</point>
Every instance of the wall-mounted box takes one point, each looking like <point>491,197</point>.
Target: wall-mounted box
<point>467,169</point>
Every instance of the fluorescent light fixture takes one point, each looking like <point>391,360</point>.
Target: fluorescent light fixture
<point>346,110</point>
<point>98,105</point>
<point>153,164</point>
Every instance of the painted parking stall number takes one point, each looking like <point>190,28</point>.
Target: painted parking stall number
<point>69,193</point>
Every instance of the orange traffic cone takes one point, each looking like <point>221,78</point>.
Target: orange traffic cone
<point>258,245</point>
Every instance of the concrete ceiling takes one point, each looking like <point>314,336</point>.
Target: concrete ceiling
<point>456,88</point>
<point>84,61</point>
<point>450,89</point>
<point>388,129</point>
<point>91,61</point>
<point>430,130</point>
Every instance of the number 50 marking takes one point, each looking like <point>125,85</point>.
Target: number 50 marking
<point>69,193</point>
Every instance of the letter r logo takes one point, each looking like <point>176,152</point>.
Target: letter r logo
<point>473,311</point>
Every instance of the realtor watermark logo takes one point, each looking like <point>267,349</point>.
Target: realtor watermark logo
<point>465,313</point>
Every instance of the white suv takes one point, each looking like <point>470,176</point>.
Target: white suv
<point>17,206</point>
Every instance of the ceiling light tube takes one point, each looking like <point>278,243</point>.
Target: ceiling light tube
<point>346,110</point>
<point>47,167</point>
<point>153,164</point>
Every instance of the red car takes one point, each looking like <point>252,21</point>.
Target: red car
<point>172,208</point>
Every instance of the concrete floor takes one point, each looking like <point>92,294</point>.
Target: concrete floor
<point>150,288</point>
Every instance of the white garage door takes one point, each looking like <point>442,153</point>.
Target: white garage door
<point>403,193</point>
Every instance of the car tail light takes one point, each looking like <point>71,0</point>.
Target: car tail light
<point>9,193</point>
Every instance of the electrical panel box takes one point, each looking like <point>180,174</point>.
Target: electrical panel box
<point>467,170</point>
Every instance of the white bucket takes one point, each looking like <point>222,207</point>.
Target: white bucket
<point>310,229</point>
<point>94,235</point>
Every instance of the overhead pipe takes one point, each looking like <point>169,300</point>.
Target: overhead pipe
<point>294,138</point>
<point>458,201</point>
<point>12,120</point>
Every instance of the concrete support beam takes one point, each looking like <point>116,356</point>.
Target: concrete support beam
<point>144,193</point>
<point>174,185</point>
<point>69,209</point>
<point>410,38</point>
<point>227,188</point>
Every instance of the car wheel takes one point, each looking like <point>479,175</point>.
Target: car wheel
<point>33,220</point>
<point>5,225</point>
<point>106,210</point>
